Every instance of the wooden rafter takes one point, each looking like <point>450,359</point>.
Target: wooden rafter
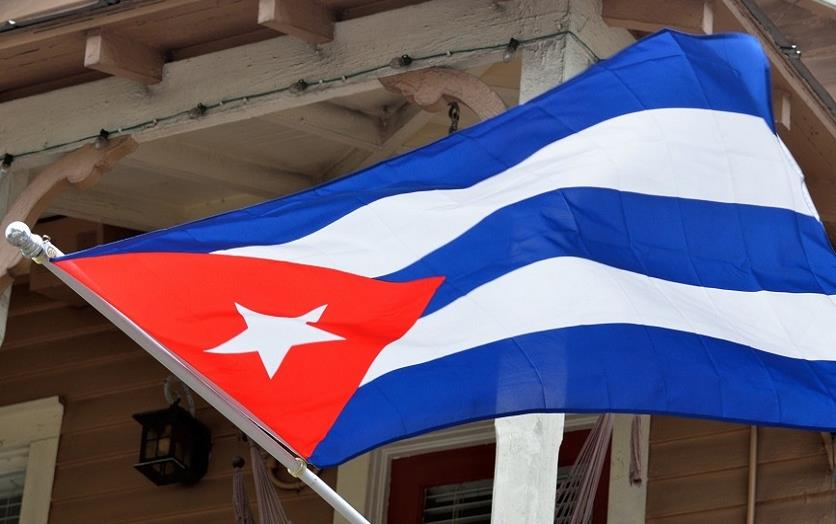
<point>81,168</point>
<point>119,56</point>
<point>781,108</point>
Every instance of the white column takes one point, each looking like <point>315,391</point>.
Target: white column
<point>353,484</point>
<point>627,500</point>
<point>525,478</point>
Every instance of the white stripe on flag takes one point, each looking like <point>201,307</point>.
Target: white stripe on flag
<point>688,153</point>
<point>567,291</point>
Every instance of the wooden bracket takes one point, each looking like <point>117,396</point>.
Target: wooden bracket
<point>80,168</point>
<point>432,89</point>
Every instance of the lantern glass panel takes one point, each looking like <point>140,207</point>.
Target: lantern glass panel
<point>174,447</point>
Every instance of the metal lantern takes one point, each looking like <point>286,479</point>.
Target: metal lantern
<point>174,447</point>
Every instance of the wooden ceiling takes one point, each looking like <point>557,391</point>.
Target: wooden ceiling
<point>42,51</point>
<point>219,168</point>
<point>209,170</point>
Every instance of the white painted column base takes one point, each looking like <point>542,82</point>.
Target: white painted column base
<point>525,477</point>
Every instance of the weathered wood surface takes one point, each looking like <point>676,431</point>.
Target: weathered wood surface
<point>360,44</point>
<point>81,168</point>
<point>698,473</point>
<point>103,378</point>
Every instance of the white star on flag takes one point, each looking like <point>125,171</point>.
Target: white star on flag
<point>272,337</point>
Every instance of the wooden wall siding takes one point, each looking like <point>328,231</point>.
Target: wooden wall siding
<point>698,473</point>
<point>103,378</point>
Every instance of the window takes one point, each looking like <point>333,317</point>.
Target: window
<point>463,503</point>
<point>28,448</point>
<point>12,477</point>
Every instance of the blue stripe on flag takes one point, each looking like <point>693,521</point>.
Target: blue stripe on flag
<point>726,72</point>
<point>702,243</point>
<point>601,368</point>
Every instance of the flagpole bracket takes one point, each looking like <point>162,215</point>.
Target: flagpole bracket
<point>31,246</point>
<point>298,468</point>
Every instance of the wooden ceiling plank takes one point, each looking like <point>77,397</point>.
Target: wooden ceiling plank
<point>194,164</point>
<point>399,128</point>
<point>119,56</point>
<point>333,122</point>
<point>819,52</point>
<point>21,10</point>
<point>823,8</point>
<point>117,210</point>
<point>123,12</point>
<point>308,20</point>
<point>695,16</point>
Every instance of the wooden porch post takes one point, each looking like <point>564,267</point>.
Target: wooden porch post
<point>525,478</point>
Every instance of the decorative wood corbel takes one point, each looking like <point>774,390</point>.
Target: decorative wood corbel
<point>80,168</point>
<point>434,88</point>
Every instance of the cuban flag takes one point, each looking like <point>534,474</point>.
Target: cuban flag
<point>636,240</point>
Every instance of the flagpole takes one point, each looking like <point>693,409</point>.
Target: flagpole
<point>41,251</point>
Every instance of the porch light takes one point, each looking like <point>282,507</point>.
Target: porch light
<point>174,446</point>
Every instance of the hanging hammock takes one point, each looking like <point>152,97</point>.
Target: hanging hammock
<point>576,494</point>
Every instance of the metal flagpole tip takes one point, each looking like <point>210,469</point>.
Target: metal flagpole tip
<point>19,235</point>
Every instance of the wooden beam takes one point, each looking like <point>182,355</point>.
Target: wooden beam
<point>695,16</point>
<point>81,169</point>
<point>364,44</point>
<point>332,122</point>
<point>194,164</point>
<point>119,56</point>
<point>309,20</point>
